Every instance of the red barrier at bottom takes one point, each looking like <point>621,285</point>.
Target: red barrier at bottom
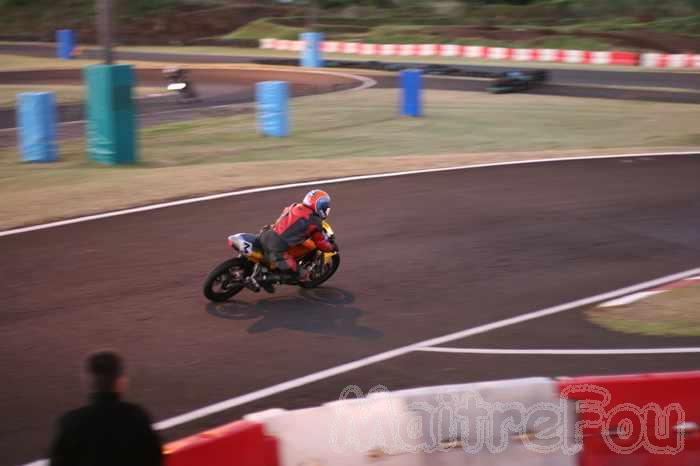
<point>597,453</point>
<point>648,420</point>
<point>241,443</point>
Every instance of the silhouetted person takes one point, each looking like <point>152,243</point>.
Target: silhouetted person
<point>108,431</point>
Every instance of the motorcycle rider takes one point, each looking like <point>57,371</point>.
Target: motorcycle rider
<point>296,224</point>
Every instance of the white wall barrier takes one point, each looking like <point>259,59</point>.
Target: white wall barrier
<point>653,60</point>
<point>519,422</point>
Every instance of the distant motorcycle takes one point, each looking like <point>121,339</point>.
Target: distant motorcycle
<point>179,82</point>
<point>249,269</point>
<point>517,81</point>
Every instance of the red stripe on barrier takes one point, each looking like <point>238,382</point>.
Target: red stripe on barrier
<point>624,58</point>
<point>560,56</point>
<point>689,61</point>
<point>369,49</point>
<point>240,443</point>
<point>637,416</point>
<point>587,57</point>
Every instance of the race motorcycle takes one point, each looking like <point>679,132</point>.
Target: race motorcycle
<point>249,269</point>
<point>178,81</point>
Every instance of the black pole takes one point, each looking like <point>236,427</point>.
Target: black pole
<point>104,29</point>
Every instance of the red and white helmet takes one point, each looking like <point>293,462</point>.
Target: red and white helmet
<point>318,201</point>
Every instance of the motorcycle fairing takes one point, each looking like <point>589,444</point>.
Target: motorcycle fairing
<point>248,245</point>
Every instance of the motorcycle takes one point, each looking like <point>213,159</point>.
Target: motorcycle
<point>178,81</point>
<point>249,268</point>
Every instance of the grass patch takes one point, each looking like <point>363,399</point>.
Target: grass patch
<point>263,28</point>
<point>23,63</point>
<point>352,132</point>
<point>687,25</point>
<point>20,62</point>
<point>409,34</point>
<point>64,94</point>
<point>673,313</point>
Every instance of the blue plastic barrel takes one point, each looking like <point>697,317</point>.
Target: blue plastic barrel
<point>36,126</point>
<point>272,99</point>
<point>311,56</point>
<point>411,90</point>
<point>65,43</point>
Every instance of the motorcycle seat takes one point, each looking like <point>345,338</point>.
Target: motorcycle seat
<point>243,242</point>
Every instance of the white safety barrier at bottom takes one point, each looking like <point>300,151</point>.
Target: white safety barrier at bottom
<point>519,422</point>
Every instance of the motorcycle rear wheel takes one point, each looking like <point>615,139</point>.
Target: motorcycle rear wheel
<point>225,280</point>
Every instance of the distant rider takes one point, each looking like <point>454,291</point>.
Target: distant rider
<point>296,224</point>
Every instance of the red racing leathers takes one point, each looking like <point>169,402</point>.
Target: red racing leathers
<point>296,224</point>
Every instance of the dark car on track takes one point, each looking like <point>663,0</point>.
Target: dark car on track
<point>517,80</point>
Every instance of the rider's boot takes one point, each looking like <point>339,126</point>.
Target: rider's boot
<point>251,282</point>
<point>268,286</point>
<point>287,277</point>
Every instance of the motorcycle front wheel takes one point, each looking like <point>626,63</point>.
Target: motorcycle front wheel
<point>226,280</point>
<point>325,273</point>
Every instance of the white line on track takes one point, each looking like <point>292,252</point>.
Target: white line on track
<point>629,299</point>
<point>351,366</point>
<point>163,205</point>
<point>592,352</point>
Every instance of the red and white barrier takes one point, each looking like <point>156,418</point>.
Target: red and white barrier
<point>650,419</point>
<point>492,53</point>
<point>242,443</point>
<point>418,427</point>
<point>663,60</point>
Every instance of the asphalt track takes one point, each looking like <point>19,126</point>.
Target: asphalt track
<point>423,256</point>
<point>576,76</point>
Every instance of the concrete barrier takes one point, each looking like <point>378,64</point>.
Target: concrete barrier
<point>584,57</point>
<point>531,422</point>
<point>421,427</point>
<point>663,60</point>
<point>490,410</point>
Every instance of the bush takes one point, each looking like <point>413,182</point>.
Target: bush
<point>263,28</point>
